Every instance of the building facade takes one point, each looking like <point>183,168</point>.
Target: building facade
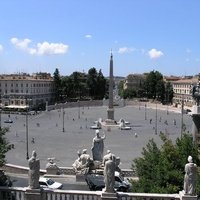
<point>134,81</point>
<point>183,91</point>
<point>24,90</point>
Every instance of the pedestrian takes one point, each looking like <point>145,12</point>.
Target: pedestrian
<point>136,135</point>
<point>33,140</point>
<point>150,121</point>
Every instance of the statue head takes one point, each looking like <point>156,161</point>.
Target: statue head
<point>190,159</point>
<point>97,132</point>
<point>34,154</point>
<point>84,151</point>
<point>79,153</point>
<point>108,151</point>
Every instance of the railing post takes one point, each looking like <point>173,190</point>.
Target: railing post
<point>33,194</point>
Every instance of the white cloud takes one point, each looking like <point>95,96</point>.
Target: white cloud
<point>44,48</point>
<point>123,50</point>
<point>88,36</point>
<point>154,54</point>
<point>1,48</point>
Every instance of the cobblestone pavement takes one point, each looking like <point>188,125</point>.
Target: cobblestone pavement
<point>50,140</point>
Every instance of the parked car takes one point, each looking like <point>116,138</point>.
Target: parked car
<point>49,183</point>
<point>96,182</point>
<point>8,121</point>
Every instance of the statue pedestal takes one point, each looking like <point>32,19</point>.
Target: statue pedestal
<point>33,194</point>
<point>195,121</point>
<point>184,196</point>
<point>110,112</point>
<point>108,196</point>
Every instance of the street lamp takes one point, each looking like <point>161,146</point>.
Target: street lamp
<point>63,119</point>
<point>156,125</point>
<point>145,111</point>
<point>78,109</point>
<point>27,154</point>
<point>182,111</point>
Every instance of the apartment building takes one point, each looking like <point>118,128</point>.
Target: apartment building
<point>24,90</point>
<point>183,91</point>
<point>134,81</point>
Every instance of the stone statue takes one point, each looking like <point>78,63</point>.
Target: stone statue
<point>98,147</point>
<point>51,167</point>
<point>190,177</point>
<point>106,157</point>
<point>117,162</point>
<point>109,174</point>
<point>77,164</point>
<point>34,171</point>
<point>196,92</point>
<point>86,162</point>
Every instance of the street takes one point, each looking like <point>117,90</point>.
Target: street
<point>50,141</point>
<point>69,183</point>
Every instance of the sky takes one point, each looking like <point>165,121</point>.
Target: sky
<point>76,35</point>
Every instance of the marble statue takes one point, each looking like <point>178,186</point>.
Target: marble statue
<point>98,147</point>
<point>77,164</point>
<point>86,162</point>
<point>106,157</point>
<point>190,177</point>
<point>196,93</point>
<point>109,174</point>
<point>34,171</point>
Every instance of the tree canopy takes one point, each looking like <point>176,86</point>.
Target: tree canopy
<point>4,147</point>
<point>80,85</point>
<point>161,169</point>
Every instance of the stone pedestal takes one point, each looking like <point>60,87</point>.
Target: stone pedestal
<point>108,196</point>
<point>110,113</point>
<point>196,121</point>
<point>33,194</point>
<point>184,196</point>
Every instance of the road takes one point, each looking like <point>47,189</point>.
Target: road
<point>50,140</point>
<point>69,183</point>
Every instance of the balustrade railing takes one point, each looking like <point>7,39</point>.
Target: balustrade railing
<point>12,193</point>
<point>19,193</point>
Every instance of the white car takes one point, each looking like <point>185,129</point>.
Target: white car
<point>49,183</point>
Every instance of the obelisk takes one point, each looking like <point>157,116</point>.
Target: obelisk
<point>110,111</point>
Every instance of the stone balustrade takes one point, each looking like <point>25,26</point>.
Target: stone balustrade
<point>10,168</point>
<point>9,193</point>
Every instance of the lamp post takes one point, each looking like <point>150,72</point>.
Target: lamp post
<point>27,154</point>
<point>145,111</point>
<point>63,118</point>
<point>182,110</point>
<point>156,118</point>
<point>78,109</point>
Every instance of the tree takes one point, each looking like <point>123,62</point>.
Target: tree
<point>96,84</point>
<point>154,86</point>
<point>169,92</point>
<point>4,147</point>
<point>161,170</point>
<point>57,84</point>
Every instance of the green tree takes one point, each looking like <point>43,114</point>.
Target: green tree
<point>92,82</point>
<point>4,147</point>
<point>161,169</point>
<point>154,86</point>
<point>101,85</point>
<point>121,88</point>
<point>169,93</point>
<point>57,85</point>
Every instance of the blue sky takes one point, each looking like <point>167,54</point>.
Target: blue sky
<point>75,35</point>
